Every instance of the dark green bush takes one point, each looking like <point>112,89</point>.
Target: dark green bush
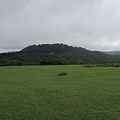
<point>62,74</point>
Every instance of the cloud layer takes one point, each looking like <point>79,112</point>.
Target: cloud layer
<point>93,24</point>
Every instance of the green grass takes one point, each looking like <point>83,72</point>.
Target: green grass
<point>38,93</point>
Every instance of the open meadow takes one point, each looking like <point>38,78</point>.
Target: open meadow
<point>39,93</point>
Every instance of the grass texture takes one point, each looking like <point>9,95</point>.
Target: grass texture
<point>38,93</point>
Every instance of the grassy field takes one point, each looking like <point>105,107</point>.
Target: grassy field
<point>38,93</point>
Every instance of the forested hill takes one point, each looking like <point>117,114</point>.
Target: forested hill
<point>50,54</point>
<point>48,48</point>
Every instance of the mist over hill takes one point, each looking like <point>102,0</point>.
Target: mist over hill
<point>56,54</point>
<point>112,52</point>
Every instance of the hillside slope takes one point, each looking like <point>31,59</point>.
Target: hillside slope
<point>55,54</point>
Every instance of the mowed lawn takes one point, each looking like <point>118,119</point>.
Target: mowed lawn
<point>38,93</point>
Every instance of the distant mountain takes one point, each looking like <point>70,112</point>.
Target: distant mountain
<point>112,52</point>
<point>54,54</point>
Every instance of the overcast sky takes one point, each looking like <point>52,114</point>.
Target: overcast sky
<point>91,24</point>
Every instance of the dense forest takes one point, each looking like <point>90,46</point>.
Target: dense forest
<point>55,54</point>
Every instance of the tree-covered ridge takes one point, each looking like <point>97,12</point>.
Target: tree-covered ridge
<point>55,54</point>
<point>48,48</point>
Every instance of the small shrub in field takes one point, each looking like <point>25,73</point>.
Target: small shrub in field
<point>62,74</point>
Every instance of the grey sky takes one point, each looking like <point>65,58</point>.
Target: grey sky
<point>92,24</point>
